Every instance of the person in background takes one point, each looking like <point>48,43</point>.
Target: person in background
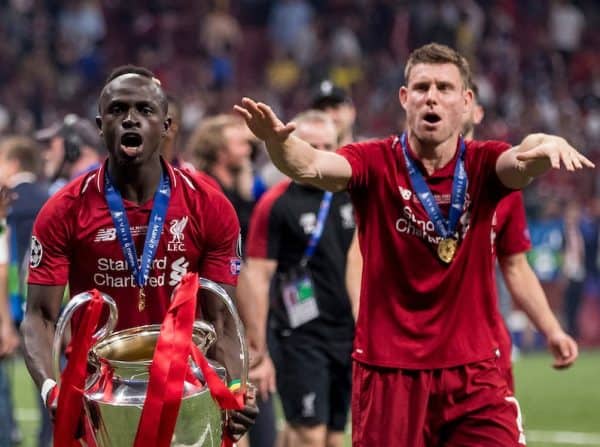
<point>169,148</point>
<point>220,147</point>
<point>9,338</point>
<point>573,265</point>
<point>336,102</point>
<point>510,244</point>
<point>72,148</point>
<point>294,272</point>
<point>21,169</point>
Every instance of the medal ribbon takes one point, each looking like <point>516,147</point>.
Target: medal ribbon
<point>70,417</point>
<point>170,367</point>
<point>140,271</point>
<point>315,237</point>
<point>444,227</point>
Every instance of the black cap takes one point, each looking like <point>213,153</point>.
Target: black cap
<point>327,94</point>
<point>72,125</point>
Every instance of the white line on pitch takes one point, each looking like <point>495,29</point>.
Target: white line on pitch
<point>563,437</point>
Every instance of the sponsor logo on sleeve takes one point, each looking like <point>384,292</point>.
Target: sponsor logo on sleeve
<point>36,252</point>
<point>235,265</point>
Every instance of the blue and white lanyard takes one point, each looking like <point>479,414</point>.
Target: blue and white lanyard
<point>162,195</point>
<point>444,227</point>
<point>318,231</point>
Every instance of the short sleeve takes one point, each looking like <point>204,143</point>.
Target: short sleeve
<point>513,234</point>
<point>49,253</point>
<point>264,235</point>
<point>355,154</point>
<point>485,154</point>
<point>222,259</point>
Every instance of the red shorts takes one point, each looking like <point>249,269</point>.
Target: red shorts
<point>467,405</point>
<point>505,361</point>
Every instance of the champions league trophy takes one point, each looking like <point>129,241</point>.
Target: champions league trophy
<point>115,390</point>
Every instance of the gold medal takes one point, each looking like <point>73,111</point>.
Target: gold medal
<point>141,300</point>
<point>447,249</point>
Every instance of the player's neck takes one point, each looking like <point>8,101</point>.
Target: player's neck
<point>433,156</point>
<point>224,175</point>
<point>345,138</point>
<point>136,183</point>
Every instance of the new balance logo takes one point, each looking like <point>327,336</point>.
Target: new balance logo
<point>106,234</point>
<point>110,234</point>
<point>405,193</point>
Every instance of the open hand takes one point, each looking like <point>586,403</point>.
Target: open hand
<point>563,348</point>
<point>263,122</point>
<point>556,151</point>
<point>262,376</point>
<point>9,338</point>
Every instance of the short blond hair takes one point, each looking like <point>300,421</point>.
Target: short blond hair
<point>313,116</point>
<point>435,53</point>
<point>208,139</point>
<point>25,150</point>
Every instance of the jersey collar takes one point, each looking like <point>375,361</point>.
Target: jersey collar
<point>98,179</point>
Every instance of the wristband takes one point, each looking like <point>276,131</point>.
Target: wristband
<point>48,386</point>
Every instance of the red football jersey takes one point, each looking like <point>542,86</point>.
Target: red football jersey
<point>417,312</point>
<point>75,241</point>
<point>510,236</point>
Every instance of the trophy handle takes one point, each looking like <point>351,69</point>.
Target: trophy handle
<point>73,304</point>
<point>205,335</point>
<point>208,285</point>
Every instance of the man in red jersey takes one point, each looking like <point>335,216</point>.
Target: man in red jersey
<point>425,370</point>
<point>93,232</point>
<point>510,243</point>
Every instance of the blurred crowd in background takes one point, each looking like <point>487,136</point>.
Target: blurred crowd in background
<point>536,63</point>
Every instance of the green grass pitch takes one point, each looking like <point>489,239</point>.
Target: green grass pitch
<point>560,408</point>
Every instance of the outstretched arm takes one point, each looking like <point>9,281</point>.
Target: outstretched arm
<point>535,155</point>
<point>527,292</point>
<point>295,157</point>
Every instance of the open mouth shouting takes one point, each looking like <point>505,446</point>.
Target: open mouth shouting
<point>131,144</point>
<point>432,118</point>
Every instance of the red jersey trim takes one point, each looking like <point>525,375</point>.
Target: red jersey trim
<point>258,232</point>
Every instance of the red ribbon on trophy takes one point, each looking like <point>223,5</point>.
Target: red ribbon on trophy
<point>69,413</point>
<point>170,367</point>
